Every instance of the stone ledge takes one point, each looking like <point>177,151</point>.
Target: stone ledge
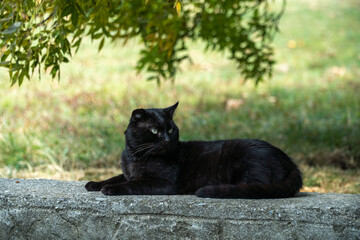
<point>48,209</point>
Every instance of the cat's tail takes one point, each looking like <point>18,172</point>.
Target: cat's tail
<point>288,188</point>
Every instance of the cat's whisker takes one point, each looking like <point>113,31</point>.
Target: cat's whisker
<point>143,146</point>
<point>145,155</point>
<point>140,149</point>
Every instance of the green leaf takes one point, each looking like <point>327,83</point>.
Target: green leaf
<point>5,55</point>
<point>77,44</point>
<point>67,10</point>
<point>15,67</point>
<point>80,9</point>
<point>4,64</point>
<point>14,78</point>
<point>74,17</point>
<point>96,36</point>
<point>101,45</point>
<point>5,19</point>
<point>13,28</point>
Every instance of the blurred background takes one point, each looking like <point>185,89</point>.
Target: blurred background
<point>73,129</point>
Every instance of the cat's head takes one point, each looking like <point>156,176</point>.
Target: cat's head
<point>152,131</point>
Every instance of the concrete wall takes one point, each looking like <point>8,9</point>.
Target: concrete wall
<point>47,209</point>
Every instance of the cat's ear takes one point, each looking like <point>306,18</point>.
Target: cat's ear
<point>138,114</point>
<point>170,110</point>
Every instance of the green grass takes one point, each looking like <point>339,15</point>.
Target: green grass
<point>310,108</point>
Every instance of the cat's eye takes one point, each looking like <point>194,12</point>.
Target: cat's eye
<point>170,130</point>
<point>154,130</point>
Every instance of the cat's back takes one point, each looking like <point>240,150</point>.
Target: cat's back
<point>200,147</point>
<point>244,150</point>
<point>230,145</point>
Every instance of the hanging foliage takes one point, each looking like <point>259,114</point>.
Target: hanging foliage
<point>43,34</point>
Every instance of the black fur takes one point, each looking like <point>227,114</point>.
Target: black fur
<point>155,162</point>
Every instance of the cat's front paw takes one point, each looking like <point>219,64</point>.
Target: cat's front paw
<point>108,190</point>
<point>93,186</point>
<point>116,189</point>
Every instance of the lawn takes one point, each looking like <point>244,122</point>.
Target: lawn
<point>73,129</point>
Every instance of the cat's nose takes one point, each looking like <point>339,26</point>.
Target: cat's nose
<point>166,137</point>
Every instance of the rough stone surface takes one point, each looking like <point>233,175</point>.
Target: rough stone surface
<point>47,209</point>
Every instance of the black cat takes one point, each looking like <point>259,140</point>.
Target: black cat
<point>155,162</point>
